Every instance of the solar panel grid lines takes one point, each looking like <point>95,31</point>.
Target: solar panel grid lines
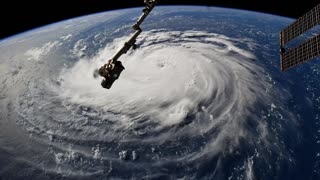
<point>301,53</point>
<point>305,51</point>
<point>302,24</point>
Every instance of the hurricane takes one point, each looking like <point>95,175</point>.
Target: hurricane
<point>189,104</point>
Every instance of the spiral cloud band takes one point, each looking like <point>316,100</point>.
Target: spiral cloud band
<point>183,97</point>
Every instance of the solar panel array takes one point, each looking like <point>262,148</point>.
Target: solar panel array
<point>305,51</point>
<point>301,25</point>
<point>301,53</point>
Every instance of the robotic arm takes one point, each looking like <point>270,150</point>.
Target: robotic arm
<point>113,68</point>
<point>150,4</point>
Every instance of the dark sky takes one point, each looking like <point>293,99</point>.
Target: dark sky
<point>18,16</point>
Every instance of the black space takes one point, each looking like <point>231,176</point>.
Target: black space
<point>18,16</point>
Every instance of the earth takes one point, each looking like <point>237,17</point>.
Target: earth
<point>202,97</point>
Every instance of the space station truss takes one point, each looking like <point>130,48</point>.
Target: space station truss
<point>305,51</point>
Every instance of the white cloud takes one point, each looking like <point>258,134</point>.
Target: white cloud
<point>37,53</point>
